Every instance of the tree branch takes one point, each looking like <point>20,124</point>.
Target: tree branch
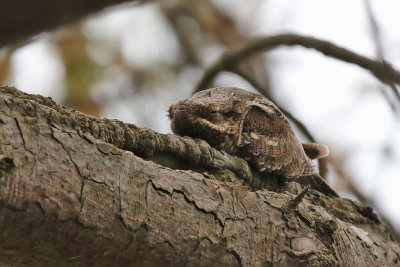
<point>229,60</point>
<point>69,195</point>
<point>20,19</point>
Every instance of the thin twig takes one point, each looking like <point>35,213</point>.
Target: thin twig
<point>376,35</point>
<point>231,58</point>
<point>297,199</point>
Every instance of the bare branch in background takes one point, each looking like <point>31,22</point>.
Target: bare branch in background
<point>376,35</point>
<point>38,16</point>
<point>231,58</point>
<point>215,27</point>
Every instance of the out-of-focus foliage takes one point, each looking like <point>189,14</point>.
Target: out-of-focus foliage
<point>81,72</point>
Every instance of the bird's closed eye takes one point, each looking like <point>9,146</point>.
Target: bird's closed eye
<point>214,115</point>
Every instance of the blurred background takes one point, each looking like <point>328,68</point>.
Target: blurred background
<point>131,61</point>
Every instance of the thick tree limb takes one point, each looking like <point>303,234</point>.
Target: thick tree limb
<point>69,195</point>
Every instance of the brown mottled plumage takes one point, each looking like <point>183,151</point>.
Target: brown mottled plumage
<point>250,126</point>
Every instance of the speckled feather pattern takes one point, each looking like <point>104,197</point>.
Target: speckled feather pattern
<point>244,124</point>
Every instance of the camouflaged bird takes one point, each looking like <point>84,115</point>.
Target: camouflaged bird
<point>250,126</point>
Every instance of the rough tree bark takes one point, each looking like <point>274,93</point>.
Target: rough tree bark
<point>80,190</point>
